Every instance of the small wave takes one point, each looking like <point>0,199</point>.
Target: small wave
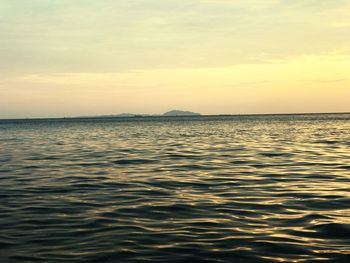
<point>275,154</point>
<point>331,142</point>
<point>133,161</point>
<point>332,230</point>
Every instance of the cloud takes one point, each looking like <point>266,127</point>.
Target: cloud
<point>330,80</point>
<point>297,84</point>
<point>113,36</point>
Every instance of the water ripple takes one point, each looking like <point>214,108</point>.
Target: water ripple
<point>203,189</point>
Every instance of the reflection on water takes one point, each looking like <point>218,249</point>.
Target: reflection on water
<point>209,189</point>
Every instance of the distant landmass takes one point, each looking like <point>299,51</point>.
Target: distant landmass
<point>125,115</point>
<point>180,113</point>
<point>171,113</point>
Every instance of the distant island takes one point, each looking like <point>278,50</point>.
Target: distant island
<point>180,113</point>
<point>122,115</point>
<point>172,113</point>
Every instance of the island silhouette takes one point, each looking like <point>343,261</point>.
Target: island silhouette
<point>180,113</point>
<point>172,113</point>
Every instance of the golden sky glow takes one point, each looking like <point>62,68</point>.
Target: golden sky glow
<point>69,58</point>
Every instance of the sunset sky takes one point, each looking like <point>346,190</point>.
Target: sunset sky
<point>87,57</point>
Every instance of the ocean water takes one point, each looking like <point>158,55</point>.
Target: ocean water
<point>194,189</point>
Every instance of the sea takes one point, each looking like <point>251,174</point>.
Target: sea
<point>258,188</point>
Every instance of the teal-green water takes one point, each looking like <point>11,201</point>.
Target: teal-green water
<point>194,189</point>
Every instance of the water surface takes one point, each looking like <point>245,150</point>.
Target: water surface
<point>194,189</point>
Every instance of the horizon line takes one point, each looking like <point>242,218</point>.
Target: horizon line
<point>115,116</point>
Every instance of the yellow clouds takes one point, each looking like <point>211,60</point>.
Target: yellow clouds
<point>302,70</point>
<point>301,84</point>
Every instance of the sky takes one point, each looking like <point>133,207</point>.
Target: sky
<point>86,57</point>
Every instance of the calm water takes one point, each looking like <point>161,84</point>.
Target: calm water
<point>213,189</point>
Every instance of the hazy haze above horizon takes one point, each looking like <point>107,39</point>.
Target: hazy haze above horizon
<point>83,57</point>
